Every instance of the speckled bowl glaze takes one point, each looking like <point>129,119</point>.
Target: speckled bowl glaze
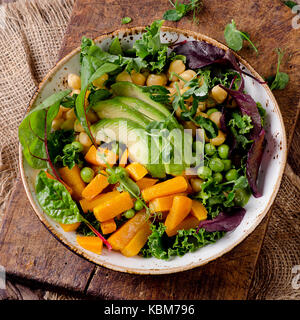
<point>272,166</point>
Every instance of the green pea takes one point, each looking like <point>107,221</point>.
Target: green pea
<point>241,197</point>
<point>129,214</point>
<point>121,171</point>
<point>204,172</point>
<point>87,174</point>
<point>216,165</point>
<point>227,164</point>
<point>223,151</point>
<point>210,111</point>
<point>138,205</point>
<point>77,145</point>
<point>218,177</point>
<point>231,175</point>
<point>210,149</point>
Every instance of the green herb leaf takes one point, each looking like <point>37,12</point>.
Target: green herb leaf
<point>126,20</point>
<point>80,101</point>
<point>158,93</point>
<point>209,126</point>
<point>150,49</point>
<point>115,47</point>
<point>234,38</point>
<point>290,4</point>
<point>162,247</point>
<point>71,155</point>
<point>32,130</point>
<point>281,79</point>
<point>55,200</point>
<point>182,10</point>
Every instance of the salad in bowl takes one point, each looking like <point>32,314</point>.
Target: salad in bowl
<point>152,151</point>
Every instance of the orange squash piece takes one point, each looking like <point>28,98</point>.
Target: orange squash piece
<point>95,156</point>
<point>120,238</point>
<point>108,226</point>
<point>188,223</point>
<point>89,205</point>
<point>96,186</point>
<point>163,203</point>
<point>198,210</point>
<point>124,159</point>
<point>90,243</point>
<point>73,179</point>
<point>146,183</point>
<point>66,186</point>
<point>181,207</point>
<point>136,171</point>
<point>110,208</point>
<point>70,227</point>
<point>137,242</point>
<point>174,185</point>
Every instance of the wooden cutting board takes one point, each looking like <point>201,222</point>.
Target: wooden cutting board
<point>29,252</point>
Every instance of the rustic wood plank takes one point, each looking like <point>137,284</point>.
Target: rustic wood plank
<point>226,278</point>
<point>29,252</point>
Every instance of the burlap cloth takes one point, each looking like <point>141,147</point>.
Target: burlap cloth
<point>30,37</point>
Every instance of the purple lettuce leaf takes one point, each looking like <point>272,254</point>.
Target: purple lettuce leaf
<point>200,54</point>
<point>247,106</point>
<point>225,221</point>
<point>254,158</point>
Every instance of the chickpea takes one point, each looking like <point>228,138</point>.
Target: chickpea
<point>157,80</point>
<point>77,126</point>
<point>196,184</point>
<point>202,114</point>
<point>75,92</point>
<point>146,73</point>
<point>64,109</point>
<point>74,81</point>
<point>183,90</point>
<point>99,83</point>
<point>218,94</point>
<point>187,75</point>
<point>210,102</point>
<point>56,123</point>
<point>70,114</point>
<point>68,124</point>
<point>219,139</point>
<point>123,76</point>
<point>176,66</point>
<point>85,140</point>
<point>173,84</point>
<point>138,78</point>
<point>92,116</point>
<point>190,125</point>
<point>59,113</point>
<point>172,92</point>
<point>201,106</point>
<point>216,117</point>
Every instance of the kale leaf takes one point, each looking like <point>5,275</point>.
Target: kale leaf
<point>160,246</point>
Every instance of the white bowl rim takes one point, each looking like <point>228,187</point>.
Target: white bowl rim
<point>81,253</point>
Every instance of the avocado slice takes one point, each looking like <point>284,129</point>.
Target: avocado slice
<point>114,108</point>
<point>142,107</point>
<point>134,137</point>
<point>129,89</point>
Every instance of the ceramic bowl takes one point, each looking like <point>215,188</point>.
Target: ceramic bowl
<point>272,165</point>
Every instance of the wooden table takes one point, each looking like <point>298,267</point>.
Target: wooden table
<point>30,254</point>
